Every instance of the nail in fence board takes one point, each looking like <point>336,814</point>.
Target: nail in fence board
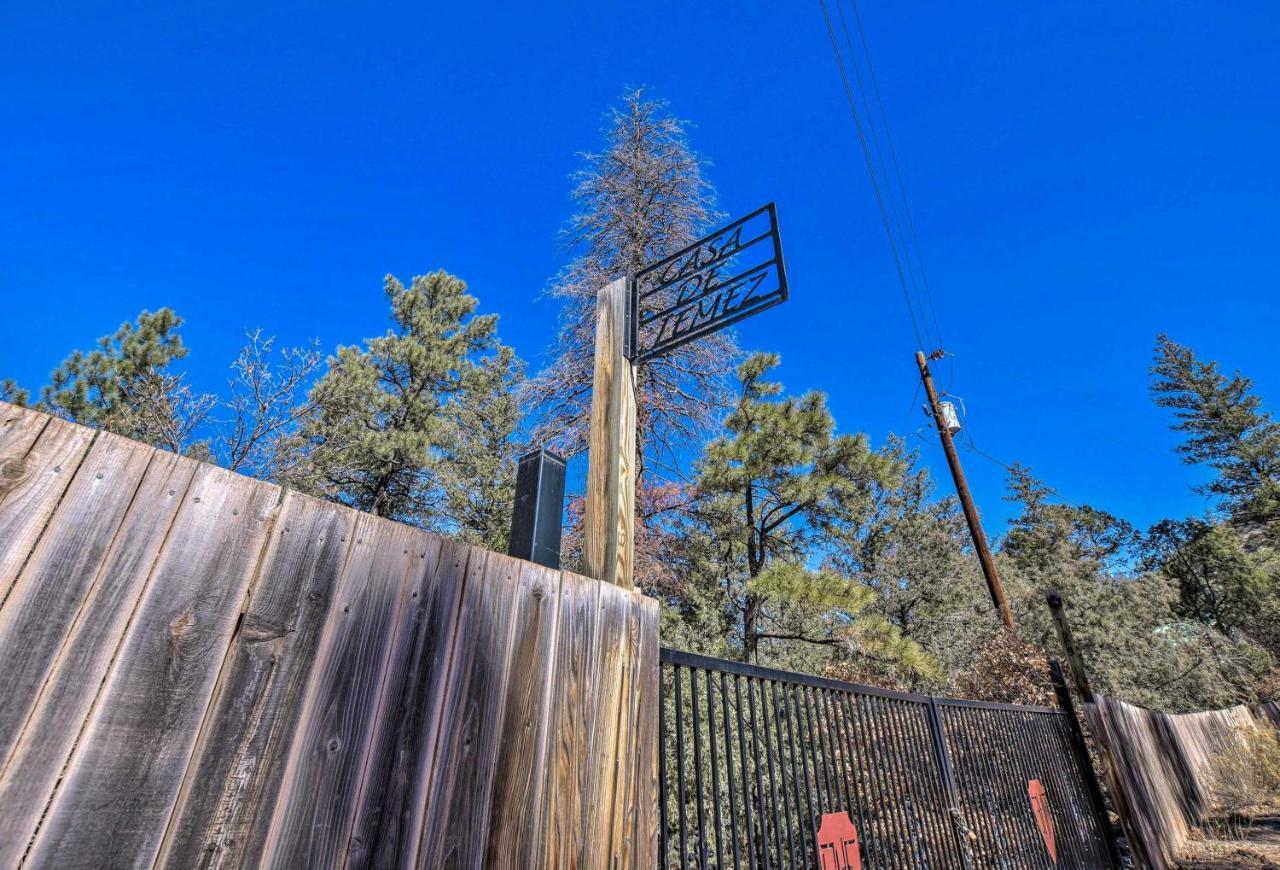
<point>239,761</point>
<point>90,645</point>
<point>115,799</point>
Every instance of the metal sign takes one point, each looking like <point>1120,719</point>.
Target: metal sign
<point>733,273</point>
<point>838,843</point>
<point>1043,816</point>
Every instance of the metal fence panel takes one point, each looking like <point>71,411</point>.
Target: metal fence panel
<point>753,758</point>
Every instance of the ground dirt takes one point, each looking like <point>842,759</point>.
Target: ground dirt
<point>1258,847</point>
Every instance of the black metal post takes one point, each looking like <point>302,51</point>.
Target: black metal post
<point>938,731</point>
<point>1081,746</point>
<point>539,505</point>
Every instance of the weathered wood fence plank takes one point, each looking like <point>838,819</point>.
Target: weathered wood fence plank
<point>458,804</point>
<point>239,761</point>
<point>567,775</point>
<point>118,791</point>
<point>516,832</point>
<point>407,706</point>
<point>1158,762</point>
<point>59,573</point>
<point>33,485</point>
<point>199,673</point>
<point>92,639</point>
<point>317,803</point>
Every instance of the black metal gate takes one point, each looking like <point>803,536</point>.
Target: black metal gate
<point>752,759</point>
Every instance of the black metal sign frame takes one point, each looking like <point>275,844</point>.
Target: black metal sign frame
<point>705,299</point>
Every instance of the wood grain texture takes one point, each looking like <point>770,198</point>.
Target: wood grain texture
<point>92,638</point>
<point>115,799</point>
<point>634,838</point>
<point>316,804</point>
<point>393,794</point>
<point>1158,764</point>
<point>239,760</point>
<point>456,826</point>
<point>605,703</point>
<point>19,428</point>
<point>516,827</point>
<point>33,484</point>
<point>567,775</point>
<point>60,572</point>
<point>609,520</point>
<point>196,676</point>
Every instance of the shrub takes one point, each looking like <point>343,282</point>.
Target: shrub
<point>1244,778</point>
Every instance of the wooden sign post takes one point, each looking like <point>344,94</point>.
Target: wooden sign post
<point>609,524</point>
<point>733,273</point>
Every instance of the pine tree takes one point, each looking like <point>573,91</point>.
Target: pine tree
<point>644,197</point>
<point>912,553</point>
<point>479,473</point>
<point>12,393</point>
<point>1226,428</point>
<point>385,415</point>
<point>773,491</point>
<point>126,385</point>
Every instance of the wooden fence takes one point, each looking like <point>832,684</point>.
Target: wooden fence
<point>200,669</point>
<point>1157,765</point>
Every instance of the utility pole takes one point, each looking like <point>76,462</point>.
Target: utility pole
<point>966,500</point>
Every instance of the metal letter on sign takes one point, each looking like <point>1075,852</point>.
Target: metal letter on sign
<point>731,274</point>
<point>1044,819</point>
<point>838,843</point>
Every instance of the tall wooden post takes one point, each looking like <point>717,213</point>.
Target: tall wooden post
<point>609,525</point>
<point>966,500</point>
<point>1075,662</point>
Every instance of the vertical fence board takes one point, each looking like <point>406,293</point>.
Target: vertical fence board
<point>317,801</point>
<point>238,763</point>
<point>91,641</point>
<point>60,573</point>
<point>119,788</point>
<point>516,826</point>
<point>195,676</point>
<point>456,827</point>
<point>635,827</point>
<point>19,428</point>
<point>385,831</point>
<point>31,487</point>
<point>566,777</point>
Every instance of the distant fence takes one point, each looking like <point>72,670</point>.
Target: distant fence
<point>198,669</point>
<point>1158,763</point>
<point>753,759</point>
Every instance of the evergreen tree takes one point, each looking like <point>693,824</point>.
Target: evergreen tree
<point>478,476</point>
<point>913,553</point>
<point>387,414</point>
<point>772,491</point>
<point>12,393</point>
<point>1226,428</point>
<point>644,197</point>
<point>1138,647</point>
<point>126,385</point>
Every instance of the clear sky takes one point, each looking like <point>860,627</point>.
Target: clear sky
<point>1082,177</point>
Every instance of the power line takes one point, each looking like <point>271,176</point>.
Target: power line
<point>896,217</point>
<point>897,169</point>
<point>871,171</point>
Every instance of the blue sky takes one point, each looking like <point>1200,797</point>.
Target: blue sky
<point>1082,176</point>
